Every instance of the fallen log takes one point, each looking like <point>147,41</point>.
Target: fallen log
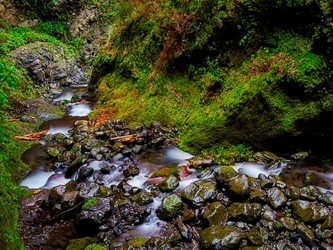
<point>32,136</point>
<point>126,138</point>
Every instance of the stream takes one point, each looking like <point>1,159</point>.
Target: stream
<point>42,175</point>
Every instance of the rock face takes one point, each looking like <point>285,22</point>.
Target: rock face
<point>47,63</point>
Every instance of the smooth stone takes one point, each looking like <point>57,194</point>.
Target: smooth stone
<point>216,214</point>
<point>224,174</point>
<point>306,211</point>
<point>276,198</point>
<point>240,185</point>
<point>169,184</point>
<point>199,192</point>
<point>143,198</point>
<point>250,212</point>
<point>220,237</point>
<point>171,206</point>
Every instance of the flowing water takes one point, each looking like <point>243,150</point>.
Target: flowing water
<point>41,176</point>
<point>299,174</point>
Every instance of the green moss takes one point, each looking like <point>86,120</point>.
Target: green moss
<point>89,203</point>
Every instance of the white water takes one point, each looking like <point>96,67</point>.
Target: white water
<point>36,179</point>
<point>253,169</point>
<point>80,109</point>
<point>59,129</point>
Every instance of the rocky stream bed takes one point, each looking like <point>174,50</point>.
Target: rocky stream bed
<point>131,188</point>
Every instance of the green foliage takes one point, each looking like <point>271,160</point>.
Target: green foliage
<point>220,70</point>
<point>89,203</point>
<point>230,155</point>
<point>53,28</point>
<point>95,247</point>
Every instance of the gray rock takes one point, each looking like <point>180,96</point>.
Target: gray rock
<point>170,207</point>
<point>276,198</point>
<point>199,192</point>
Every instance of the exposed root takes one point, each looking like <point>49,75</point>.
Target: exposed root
<point>32,136</point>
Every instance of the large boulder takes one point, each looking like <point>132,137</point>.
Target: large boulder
<point>47,63</point>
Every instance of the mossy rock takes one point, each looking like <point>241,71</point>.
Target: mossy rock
<point>216,214</point>
<point>200,192</point>
<point>169,184</point>
<point>240,185</point>
<point>143,198</point>
<point>170,207</point>
<point>220,237</point>
<point>79,244</point>
<point>306,211</point>
<point>224,174</point>
<point>250,212</point>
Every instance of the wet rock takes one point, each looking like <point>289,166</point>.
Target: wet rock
<point>258,195</point>
<point>106,169</point>
<point>136,243</point>
<point>131,171</point>
<point>143,198</point>
<point>306,211</point>
<point>310,193</point>
<point>54,152</point>
<point>81,243</point>
<point>305,233</point>
<point>266,157</point>
<point>240,185</point>
<point>183,229</point>
<point>328,223</point>
<point>294,193</point>
<point>84,173</point>
<point>276,198</point>
<point>118,157</point>
<point>75,165</point>
<point>288,223</point>
<point>169,184</point>
<point>157,243</point>
<point>93,215</point>
<point>201,161</point>
<point>224,174</point>
<point>88,189</point>
<point>199,192</point>
<point>69,199</point>
<point>220,237</point>
<point>104,192</point>
<point>300,156</point>
<point>266,182</point>
<point>250,212</point>
<point>137,149</point>
<point>170,207</point>
<point>127,188</point>
<point>215,214</point>
<point>269,215</point>
<point>258,235</point>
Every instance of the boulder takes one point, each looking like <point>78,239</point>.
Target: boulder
<point>220,237</point>
<point>199,192</point>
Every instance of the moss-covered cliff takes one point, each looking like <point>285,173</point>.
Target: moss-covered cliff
<point>252,72</point>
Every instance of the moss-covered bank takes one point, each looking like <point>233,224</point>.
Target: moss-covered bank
<point>15,87</point>
<point>252,72</point>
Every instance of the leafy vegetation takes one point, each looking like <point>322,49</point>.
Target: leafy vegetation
<point>222,71</point>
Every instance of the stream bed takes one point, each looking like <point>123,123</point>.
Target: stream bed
<point>135,169</point>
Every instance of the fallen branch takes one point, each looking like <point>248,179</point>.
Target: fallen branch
<point>126,138</point>
<point>32,136</point>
